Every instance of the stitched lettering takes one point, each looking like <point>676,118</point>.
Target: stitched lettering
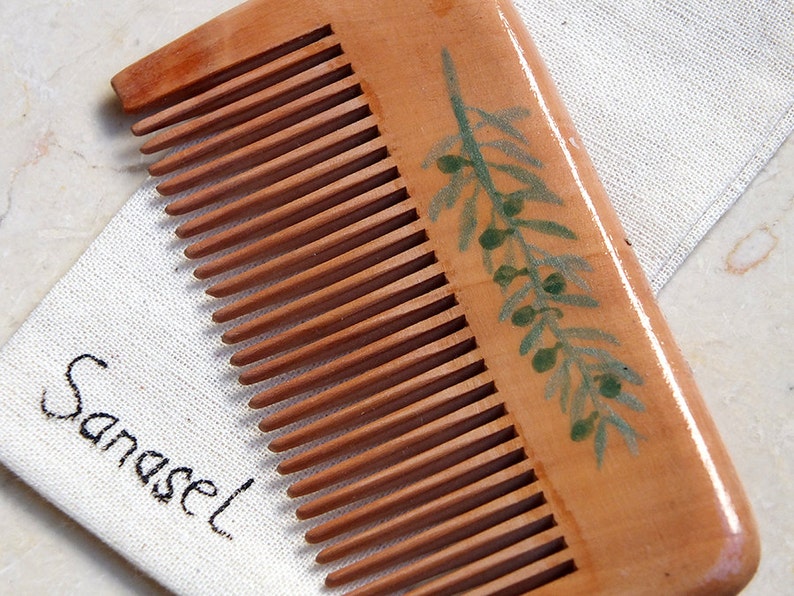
<point>123,435</point>
<point>78,400</point>
<point>92,436</point>
<point>169,484</point>
<point>146,476</point>
<point>150,464</point>
<point>245,486</point>
<point>198,486</point>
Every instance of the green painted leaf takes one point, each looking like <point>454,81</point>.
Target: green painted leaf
<point>590,334</point>
<point>545,196</point>
<point>514,300</point>
<point>558,381</point>
<point>604,356</point>
<point>441,148</point>
<point>578,281</point>
<point>536,190</point>
<point>510,255</point>
<point>625,371</point>
<point>629,434</point>
<point>510,149</point>
<point>582,429</point>
<point>523,317</point>
<point>521,174</point>
<point>597,386</point>
<point>468,221</point>
<point>570,274</point>
<point>512,206</point>
<point>536,196</point>
<point>565,389</point>
<point>554,284</point>
<point>493,238</point>
<point>579,400</point>
<point>551,228</point>
<point>449,164</point>
<point>608,363</point>
<point>505,275</point>
<point>600,441</point>
<point>514,113</point>
<point>545,359</point>
<point>575,300</point>
<point>629,400</point>
<point>531,338</point>
<point>608,385</point>
<point>573,262</point>
<point>436,205</point>
<point>501,123</point>
<point>448,195</point>
<point>487,261</point>
<point>557,312</point>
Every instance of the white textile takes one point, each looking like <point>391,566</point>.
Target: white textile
<point>146,363</point>
<point>679,103</point>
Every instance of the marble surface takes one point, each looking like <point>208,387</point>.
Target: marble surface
<point>61,181</point>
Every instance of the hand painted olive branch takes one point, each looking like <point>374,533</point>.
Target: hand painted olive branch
<point>589,381</point>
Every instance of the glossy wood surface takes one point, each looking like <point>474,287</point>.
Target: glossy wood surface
<point>320,194</point>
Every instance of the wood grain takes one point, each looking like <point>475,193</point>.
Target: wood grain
<point>428,288</point>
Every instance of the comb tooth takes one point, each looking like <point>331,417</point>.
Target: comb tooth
<point>355,186</point>
<point>524,580</point>
<point>420,386</point>
<point>344,316</point>
<point>419,411</point>
<point>393,249</point>
<point>267,149</point>
<point>229,91</point>
<point>435,511</point>
<point>464,551</point>
<point>360,257</point>
<point>258,128</point>
<point>342,244</point>
<point>312,228</point>
<point>332,296</point>
<point>378,378</point>
<point>339,243</point>
<point>354,363</point>
<point>359,361</point>
<point>357,336</point>
<point>423,491</point>
<point>162,86</point>
<point>411,443</point>
<point>410,469</point>
<point>521,555</point>
<point>250,106</point>
<point>462,539</point>
<point>533,548</point>
<point>282,191</point>
<point>294,162</point>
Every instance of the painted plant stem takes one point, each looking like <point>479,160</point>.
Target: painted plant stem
<point>601,377</point>
<point>472,149</point>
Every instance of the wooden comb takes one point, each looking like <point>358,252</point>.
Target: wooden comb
<point>449,337</point>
